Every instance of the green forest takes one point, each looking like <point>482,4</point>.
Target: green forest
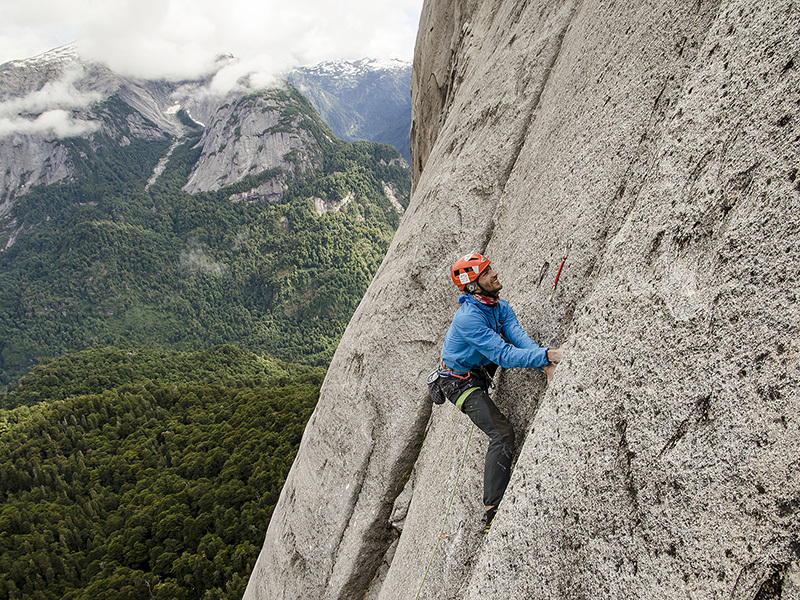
<point>154,477</point>
<point>101,260</point>
<point>161,353</point>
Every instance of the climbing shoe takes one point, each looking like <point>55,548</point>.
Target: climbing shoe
<point>488,517</point>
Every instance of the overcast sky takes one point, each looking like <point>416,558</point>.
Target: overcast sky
<point>179,39</point>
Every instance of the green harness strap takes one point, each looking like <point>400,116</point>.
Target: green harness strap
<point>463,397</point>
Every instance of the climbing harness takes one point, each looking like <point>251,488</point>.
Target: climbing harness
<point>445,370</point>
<point>441,535</point>
<point>555,283</point>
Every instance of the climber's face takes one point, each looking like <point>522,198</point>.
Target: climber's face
<point>489,282</point>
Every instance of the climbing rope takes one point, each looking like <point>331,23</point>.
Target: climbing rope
<point>441,535</point>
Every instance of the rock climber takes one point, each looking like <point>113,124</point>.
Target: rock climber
<point>485,334</point>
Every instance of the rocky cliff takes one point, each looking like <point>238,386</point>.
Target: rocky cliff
<point>251,134</point>
<point>659,142</point>
<point>56,96</point>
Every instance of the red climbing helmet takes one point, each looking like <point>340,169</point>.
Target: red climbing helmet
<point>466,270</point>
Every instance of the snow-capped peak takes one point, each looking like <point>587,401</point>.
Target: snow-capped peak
<point>346,68</point>
<point>61,55</point>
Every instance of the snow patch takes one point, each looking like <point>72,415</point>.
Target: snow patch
<point>62,54</point>
<point>350,69</point>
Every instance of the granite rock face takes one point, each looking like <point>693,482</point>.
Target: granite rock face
<point>29,161</point>
<point>660,143</point>
<point>57,95</point>
<point>248,135</point>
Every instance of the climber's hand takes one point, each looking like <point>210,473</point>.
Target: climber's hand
<point>549,370</point>
<point>554,355</point>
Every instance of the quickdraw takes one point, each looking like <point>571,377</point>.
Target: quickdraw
<point>555,283</point>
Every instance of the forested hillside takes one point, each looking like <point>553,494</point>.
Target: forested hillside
<point>104,257</point>
<point>154,477</point>
<point>142,450</point>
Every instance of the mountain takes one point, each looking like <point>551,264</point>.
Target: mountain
<point>55,96</point>
<point>361,100</point>
<point>658,143</point>
<point>47,98</point>
<point>166,214</point>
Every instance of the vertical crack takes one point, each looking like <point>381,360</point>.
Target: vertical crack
<point>374,545</point>
<point>530,116</point>
<point>351,512</point>
<point>624,457</point>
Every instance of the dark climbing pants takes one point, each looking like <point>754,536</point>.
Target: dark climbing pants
<point>479,407</point>
<point>497,469</point>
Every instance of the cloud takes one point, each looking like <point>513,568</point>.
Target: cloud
<point>180,39</point>
<point>60,93</point>
<point>47,111</point>
<point>195,259</point>
<point>50,124</point>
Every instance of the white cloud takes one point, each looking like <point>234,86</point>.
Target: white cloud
<point>249,72</point>
<point>50,124</point>
<point>180,38</point>
<point>47,111</point>
<point>34,26</point>
<point>60,93</point>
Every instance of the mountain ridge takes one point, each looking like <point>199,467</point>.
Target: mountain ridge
<point>62,75</point>
<point>363,99</point>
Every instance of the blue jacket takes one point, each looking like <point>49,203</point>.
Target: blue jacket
<point>480,335</point>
